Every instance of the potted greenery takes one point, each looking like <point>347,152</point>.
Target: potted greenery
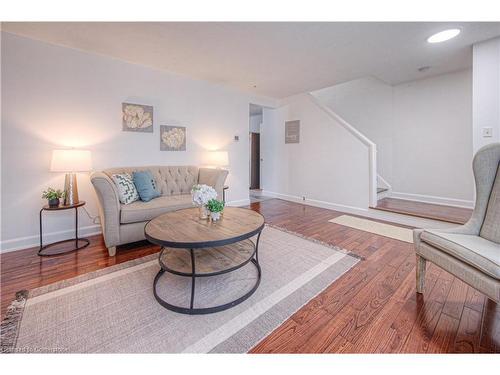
<point>215,208</point>
<point>53,196</point>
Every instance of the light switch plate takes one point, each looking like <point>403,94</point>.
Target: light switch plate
<point>487,132</point>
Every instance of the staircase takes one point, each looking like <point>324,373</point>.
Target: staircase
<point>372,148</point>
<point>384,189</point>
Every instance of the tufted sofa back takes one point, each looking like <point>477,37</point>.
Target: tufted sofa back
<point>171,180</point>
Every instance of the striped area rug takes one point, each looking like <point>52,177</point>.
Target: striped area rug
<point>114,311</point>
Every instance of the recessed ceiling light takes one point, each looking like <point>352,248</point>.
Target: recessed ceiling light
<point>443,36</point>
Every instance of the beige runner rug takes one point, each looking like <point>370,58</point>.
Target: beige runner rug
<point>382,229</point>
<point>114,311</point>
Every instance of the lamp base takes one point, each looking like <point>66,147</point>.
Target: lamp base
<point>70,189</point>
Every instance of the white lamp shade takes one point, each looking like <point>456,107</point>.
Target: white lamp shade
<point>71,161</point>
<point>217,158</point>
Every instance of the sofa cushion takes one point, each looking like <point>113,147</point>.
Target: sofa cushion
<point>144,211</point>
<point>146,185</point>
<point>170,180</point>
<point>473,250</point>
<point>491,224</point>
<point>127,192</point>
<point>177,180</point>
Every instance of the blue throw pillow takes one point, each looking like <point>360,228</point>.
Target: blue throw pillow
<point>146,185</point>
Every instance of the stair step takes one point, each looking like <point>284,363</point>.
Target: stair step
<point>456,215</point>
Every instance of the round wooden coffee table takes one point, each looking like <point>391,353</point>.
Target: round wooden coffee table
<point>194,247</point>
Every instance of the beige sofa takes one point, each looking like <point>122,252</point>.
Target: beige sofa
<point>123,224</point>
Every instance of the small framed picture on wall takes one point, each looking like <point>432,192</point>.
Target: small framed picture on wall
<point>292,131</point>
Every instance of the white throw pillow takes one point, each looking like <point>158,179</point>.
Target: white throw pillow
<point>127,192</point>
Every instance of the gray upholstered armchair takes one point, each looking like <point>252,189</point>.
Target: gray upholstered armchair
<point>470,252</point>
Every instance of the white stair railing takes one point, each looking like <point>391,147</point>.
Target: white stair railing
<point>382,183</point>
<point>372,148</point>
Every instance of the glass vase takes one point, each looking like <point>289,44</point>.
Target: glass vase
<point>203,212</point>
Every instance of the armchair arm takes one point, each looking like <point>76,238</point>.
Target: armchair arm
<point>416,237</point>
<point>467,228</point>
<point>109,208</point>
<point>461,229</point>
<point>214,178</point>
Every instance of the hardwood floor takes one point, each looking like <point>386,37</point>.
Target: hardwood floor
<point>449,214</point>
<point>371,308</point>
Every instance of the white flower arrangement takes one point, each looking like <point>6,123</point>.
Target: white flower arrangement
<point>202,194</point>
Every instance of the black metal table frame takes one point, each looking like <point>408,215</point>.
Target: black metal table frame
<point>76,239</point>
<point>191,310</point>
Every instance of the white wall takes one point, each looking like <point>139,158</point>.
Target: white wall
<point>486,88</point>
<point>1,131</point>
<point>423,132</point>
<point>329,165</point>
<point>55,97</point>
<point>432,148</point>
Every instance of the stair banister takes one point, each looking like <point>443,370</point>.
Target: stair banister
<point>372,148</point>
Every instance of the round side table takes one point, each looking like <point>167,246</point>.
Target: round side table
<point>80,243</point>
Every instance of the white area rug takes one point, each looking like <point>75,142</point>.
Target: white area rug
<point>114,310</point>
<point>386,230</point>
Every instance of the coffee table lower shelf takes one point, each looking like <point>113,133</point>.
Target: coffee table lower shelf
<point>207,262</point>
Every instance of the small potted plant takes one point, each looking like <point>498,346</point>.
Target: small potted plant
<point>53,196</point>
<point>215,208</point>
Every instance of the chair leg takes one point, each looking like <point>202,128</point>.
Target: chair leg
<point>112,251</point>
<point>421,263</point>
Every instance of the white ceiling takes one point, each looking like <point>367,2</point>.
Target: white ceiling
<point>273,59</point>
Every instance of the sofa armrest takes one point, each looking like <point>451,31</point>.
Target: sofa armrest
<point>214,178</point>
<point>109,207</point>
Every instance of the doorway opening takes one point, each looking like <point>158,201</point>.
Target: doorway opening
<point>255,157</point>
<point>255,124</point>
<point>255,161</point>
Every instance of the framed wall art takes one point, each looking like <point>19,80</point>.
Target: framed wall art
<point>137,118</point>
<point>172,138</point>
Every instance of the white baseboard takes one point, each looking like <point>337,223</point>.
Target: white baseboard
<point>22,243</point>
<point>434,200</point>
<point>239,203</point>
<point>366,212</point>
<point>317,203</point>
<point>32,241</point>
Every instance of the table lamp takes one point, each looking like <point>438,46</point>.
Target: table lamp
<point>70,161</point>
<point>217,159</point>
